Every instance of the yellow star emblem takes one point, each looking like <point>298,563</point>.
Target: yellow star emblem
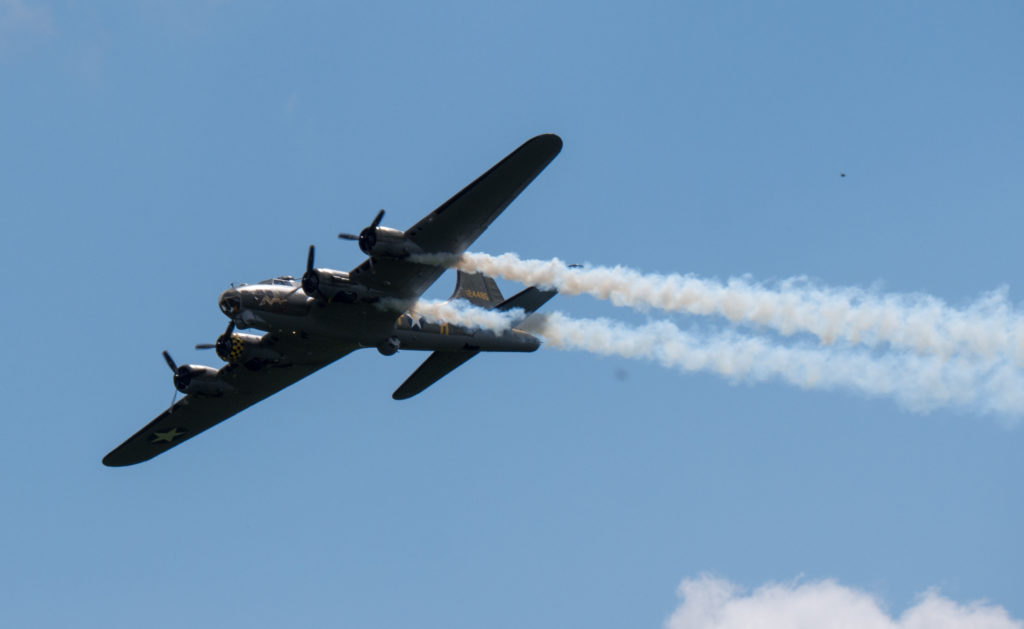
<point>168,436</point>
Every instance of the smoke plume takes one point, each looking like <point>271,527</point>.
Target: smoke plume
<point>920,383</point>
<point>988,329</point>
<point>463,313</point>
<point>912,348</point>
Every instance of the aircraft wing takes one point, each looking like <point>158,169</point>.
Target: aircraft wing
<point>194,414</point>
<point>454,226</point>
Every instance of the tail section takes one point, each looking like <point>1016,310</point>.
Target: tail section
<point>477,289</point>
<point>482,291</point>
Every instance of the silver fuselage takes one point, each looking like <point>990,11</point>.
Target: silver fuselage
<point>281,307</point>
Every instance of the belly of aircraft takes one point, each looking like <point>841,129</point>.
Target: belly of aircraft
<point>362,324</point>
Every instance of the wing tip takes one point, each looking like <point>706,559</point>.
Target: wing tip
<point>117,458</point>
<point>123,457</point>
<point>112,461</point>
<point>553,141</point>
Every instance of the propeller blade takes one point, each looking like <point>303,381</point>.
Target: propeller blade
<point>309,260</point>
<point>348,236</point>
<point>376,220</point>
<point>231,328</point>
<point>170,361</point>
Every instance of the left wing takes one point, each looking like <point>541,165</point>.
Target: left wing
<point>454,226</point>
<point>194,414</point>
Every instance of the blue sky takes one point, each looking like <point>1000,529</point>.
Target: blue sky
<point>151,153</point>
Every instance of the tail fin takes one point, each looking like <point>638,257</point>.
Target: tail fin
<point>477,289</point>
<point>482,291</point>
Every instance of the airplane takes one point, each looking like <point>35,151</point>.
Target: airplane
<point>311,322</point>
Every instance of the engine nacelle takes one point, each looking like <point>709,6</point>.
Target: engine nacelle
<point>200,380</point>
<point>246,349</point>
<point>333,286</point>
<point>385,242</point>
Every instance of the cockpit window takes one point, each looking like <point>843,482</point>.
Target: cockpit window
<point>284,280</point>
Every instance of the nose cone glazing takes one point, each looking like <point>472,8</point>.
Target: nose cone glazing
<point>231,302</point>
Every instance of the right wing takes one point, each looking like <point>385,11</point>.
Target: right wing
<point>194,414</point>
<point>454,226</point>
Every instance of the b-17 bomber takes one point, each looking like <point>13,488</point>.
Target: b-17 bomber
<point>310,322</point>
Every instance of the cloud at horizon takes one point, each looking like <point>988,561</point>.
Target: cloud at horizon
<point>711,602</point>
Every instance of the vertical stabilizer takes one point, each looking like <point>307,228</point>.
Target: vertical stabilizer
<point>477,289</point>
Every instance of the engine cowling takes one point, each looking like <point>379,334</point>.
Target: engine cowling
<point>246,349</point>
<point>385,242</point>
<point>331,285</point>
<point>199,380</point>
<point>328,285</point>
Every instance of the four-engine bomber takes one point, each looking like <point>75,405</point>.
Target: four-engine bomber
<point>311,322</point>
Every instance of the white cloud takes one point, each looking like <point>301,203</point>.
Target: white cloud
<point>713,603</point>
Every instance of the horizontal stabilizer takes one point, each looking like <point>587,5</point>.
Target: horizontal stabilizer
<point>529,300</point>
<point>435,367</point>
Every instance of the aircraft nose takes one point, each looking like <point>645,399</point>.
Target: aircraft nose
<point>231,303</point>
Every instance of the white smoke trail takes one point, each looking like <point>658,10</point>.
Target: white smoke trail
<point>989,329</point>
<point>920,383</point>
<point>460,312</point>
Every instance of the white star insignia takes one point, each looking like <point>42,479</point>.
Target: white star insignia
<point>168,436</point>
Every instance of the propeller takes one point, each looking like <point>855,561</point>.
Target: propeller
<point>170,362</point>
<point>182,374</point>
<point>310,279</point>
<point>223,344</point>
<point>368,237</point>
